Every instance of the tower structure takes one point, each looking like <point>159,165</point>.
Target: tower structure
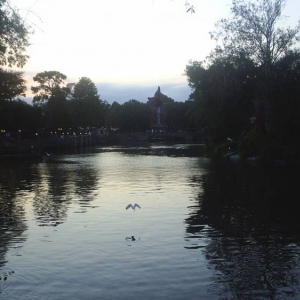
<point>157,104</point>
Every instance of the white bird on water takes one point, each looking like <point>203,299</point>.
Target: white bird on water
<point>133,206</point>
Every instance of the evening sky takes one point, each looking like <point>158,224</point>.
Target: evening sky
<point>126,47</point>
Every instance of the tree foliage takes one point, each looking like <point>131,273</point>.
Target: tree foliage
<point>88,109</point>
<point>50,83</point>
<point>18,114</point>
<point>134,116</point>
<point>85,91</point>
<point>14,34</point>
<point>12,84</point>
<point>222,95</point>
<point>286,108</point>
<point>249,89</point>
<point>113,115</point>
<point>51,93</point>
<point>254,31</point>
<point>176,115</point>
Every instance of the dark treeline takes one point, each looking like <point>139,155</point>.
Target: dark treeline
<point>247,92</point>
<point>78,105</point>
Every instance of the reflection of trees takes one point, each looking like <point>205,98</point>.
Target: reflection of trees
<point>50,202</point>
<point>52,185</point>
<point>86,185</point>
<point>245,222</point>
<point>15,184</point>
<point>12,225</point>
<point>60,183</point>
<point>15,176</point>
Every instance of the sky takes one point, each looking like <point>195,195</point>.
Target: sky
<point>126,47</point>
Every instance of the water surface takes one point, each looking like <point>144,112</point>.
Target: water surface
<point>204,231</point>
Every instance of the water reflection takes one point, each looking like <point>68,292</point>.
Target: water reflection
<point>241,226</point>
<point>14,188</point>
<point>61,183</point>
<point>245,223</point>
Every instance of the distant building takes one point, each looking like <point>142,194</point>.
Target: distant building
<point>157,107</point>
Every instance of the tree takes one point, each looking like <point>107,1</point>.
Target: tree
<point>15,115</point>
<point>195,72</point>
<point>14,33</point>
<point>252,73</point>
<point>88,108</point>
<point>85,91</point>
<point>113,115</point>
<point>176,116</point>
<point>49,84</point>
<point>11,85</point>
<point>135,116</point>
<point>222,95</point>
<point>253,30</point>
<point>51,93</point>
<point>286,107</point>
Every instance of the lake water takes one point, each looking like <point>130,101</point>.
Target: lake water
<point>205,230</point>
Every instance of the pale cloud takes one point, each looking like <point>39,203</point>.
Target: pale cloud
<point>116,40</point>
